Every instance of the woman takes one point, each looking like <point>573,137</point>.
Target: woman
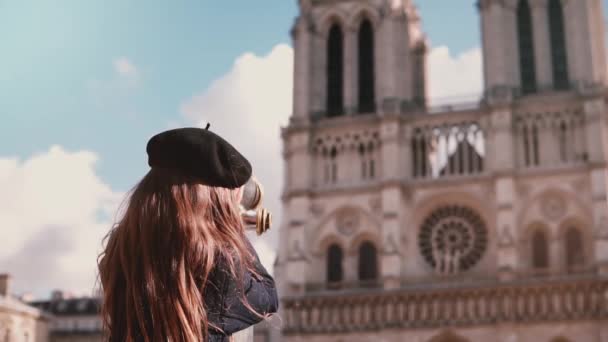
<point>177,266</point>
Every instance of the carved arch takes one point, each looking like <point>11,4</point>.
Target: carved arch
<point>328,19</point>
<point>316,235</point>
<point>524,219</point>
<point>365,236</point>
<point>362,12</point>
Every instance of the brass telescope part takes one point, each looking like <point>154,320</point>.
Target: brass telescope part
<point>254,217</point>
<point>260,220</point>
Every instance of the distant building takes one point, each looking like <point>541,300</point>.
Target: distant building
<point>472,222</point>
<point>73,319</point>
<point>20,322</point>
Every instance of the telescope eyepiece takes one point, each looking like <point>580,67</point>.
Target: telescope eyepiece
<point>252,194</point>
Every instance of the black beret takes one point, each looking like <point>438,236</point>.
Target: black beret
<point>199,153</point>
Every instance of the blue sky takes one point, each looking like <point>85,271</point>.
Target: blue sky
<point>84,84</point>
<point>53,51</point>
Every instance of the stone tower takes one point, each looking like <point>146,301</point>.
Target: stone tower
<point>469,222</point>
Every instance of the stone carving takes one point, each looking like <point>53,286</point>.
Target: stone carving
<point>347,222</point>
<point>553,207</point>
<point>390,245</point>
<point>453,239</point>
<point>506,237</point>
<point>295,252</point>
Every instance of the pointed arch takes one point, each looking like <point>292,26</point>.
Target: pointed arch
<point>574,248</point>
<point>539,249</point>
<point>366,67</point>
<point>525,36</point>
<point>368,261</point>
<point>334,260</point>
<point>557,34</point>
<point>335,71</point>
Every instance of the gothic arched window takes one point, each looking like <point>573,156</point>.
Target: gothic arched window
<point>334,164</point>
<point>575,252</point>
<point>335,71</point>
<point>366,68</point>
<point>368,266</point>
<point>334,264</point>
<point>527,67</point>
<point>558,45</point>
<point>540,250</point>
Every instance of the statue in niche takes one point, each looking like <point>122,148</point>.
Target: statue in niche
<point>296,252</point>
<point>506,237</point>
<point>390,247</point>
<point>447,261</point>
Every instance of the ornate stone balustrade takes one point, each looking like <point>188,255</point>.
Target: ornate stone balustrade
<point>444,306</point>
<point>447,144</point>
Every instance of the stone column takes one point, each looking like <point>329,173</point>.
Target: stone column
<point>542,45</point>
<point>585,40</point>
<point>491,14</point>
<point>297,208</point>
<point>350,70</point>
<point>301,70</point>
<point>506,229</point>
<point>392,206</point>
<point>385,46</point>
<point>296,245</point>
<point>499,137</point>
<point>597,150</point>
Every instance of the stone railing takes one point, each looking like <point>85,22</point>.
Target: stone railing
<point>447,144</point>
<point>418,307</point>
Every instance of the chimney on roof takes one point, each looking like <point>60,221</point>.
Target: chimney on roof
<point>5,284</point>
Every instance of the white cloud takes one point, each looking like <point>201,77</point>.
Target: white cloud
<point>54,211</point>
<point>454,78</point>
<point>252,101</point>
<point>248,106</point>
<point>124,67</point>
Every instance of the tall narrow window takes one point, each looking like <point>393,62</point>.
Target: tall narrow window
<point>540,250</point>
<point>366,68</point>
<point>525,35</point>
<point>334,264</point>
<point>563,142</point>
<point>526,145</point>
<point>558,45</point>
<point>363,161</point>
<point>335,71</point>
<point>575,253</point>
<point>371,162</point>
<point>334,165</point>
<point>535,150</point>
<point>368,269</point>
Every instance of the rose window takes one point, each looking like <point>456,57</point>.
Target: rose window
<point>453,239</point>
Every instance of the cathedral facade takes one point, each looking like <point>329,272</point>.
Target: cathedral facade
<point>483,221</point>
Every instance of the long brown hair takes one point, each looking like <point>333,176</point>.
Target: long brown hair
<point>159,255</point>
